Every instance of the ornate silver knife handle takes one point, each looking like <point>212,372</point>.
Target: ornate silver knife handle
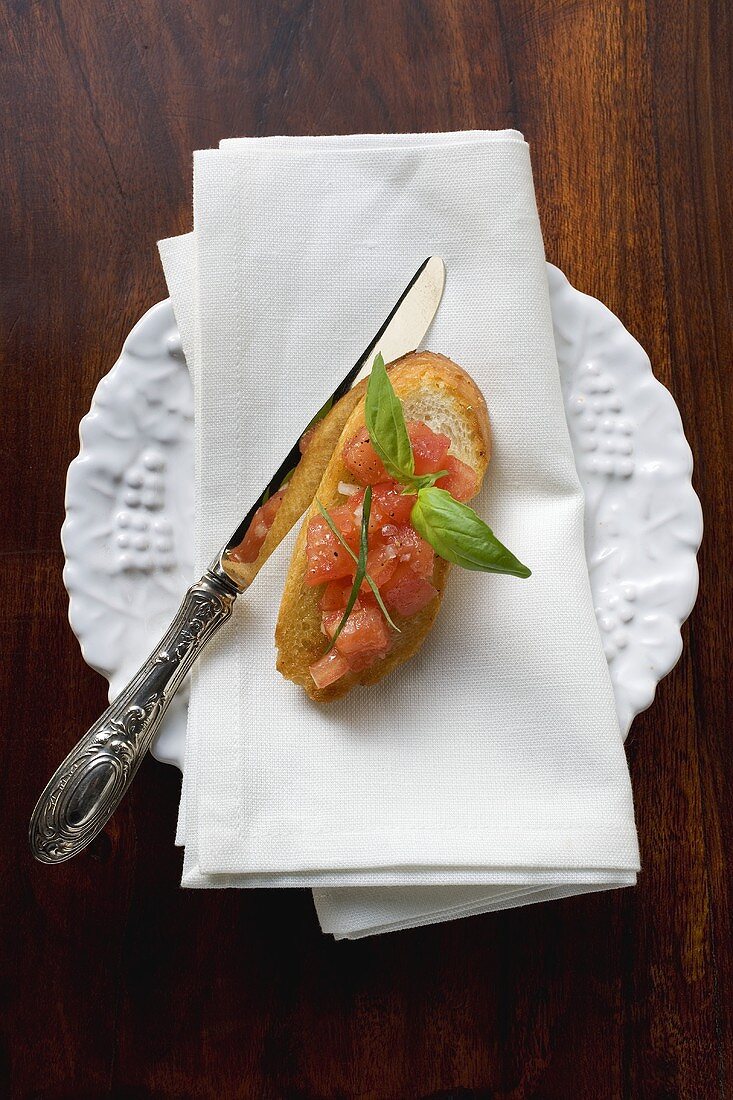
<point>86,789</point>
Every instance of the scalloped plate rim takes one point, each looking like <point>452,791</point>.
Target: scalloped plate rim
<point>558,282</point>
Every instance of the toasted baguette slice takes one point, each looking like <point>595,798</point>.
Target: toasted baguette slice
<point>303,484</point>
<point>432,389</point>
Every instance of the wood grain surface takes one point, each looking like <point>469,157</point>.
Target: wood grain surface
<point>115,982</point>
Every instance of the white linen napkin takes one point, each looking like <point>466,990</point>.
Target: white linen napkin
<point>489,771</point>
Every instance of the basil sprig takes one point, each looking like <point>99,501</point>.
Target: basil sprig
<point>453,529</point>
<point>361,569</point>
<point>460,536</point>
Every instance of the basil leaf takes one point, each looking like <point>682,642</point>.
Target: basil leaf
<point>385,424</point>
<point>366,511</point>
<point>460,536</point>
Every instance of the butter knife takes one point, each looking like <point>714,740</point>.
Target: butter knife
<point>88,786</point>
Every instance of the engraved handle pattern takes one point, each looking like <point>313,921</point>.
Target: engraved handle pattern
<point>86,789</point>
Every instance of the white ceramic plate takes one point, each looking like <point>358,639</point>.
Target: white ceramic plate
<point>127,536</point>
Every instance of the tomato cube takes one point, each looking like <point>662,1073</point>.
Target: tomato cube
<point>381,564</point>
<point>336,595</point>
<point>407,592</point>
<point>365,634</point>
<point>410,548</point>
<point>362,460</point>
<point>327,559</point>
<point>460,481</point>
<point>329,669</point>
<point>389,505</point>
<point>429,448</point>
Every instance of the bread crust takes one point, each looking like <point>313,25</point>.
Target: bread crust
<point>304,483</point>
<point>298,636</point>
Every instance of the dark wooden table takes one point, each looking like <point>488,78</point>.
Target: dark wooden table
<point>116,982</point>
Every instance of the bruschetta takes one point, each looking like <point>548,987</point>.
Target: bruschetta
<point>448,427</point>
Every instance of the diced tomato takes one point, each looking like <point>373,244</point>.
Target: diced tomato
<point>270,507</point>
<point>348,521</point>
<point>429,448</point>
<point>366,598</point>
<point>411,549</point>
<point>354,503</point>
<point>336,595</point>
<point>362,460</point>
<point>399,561</point>
<point>389,505</point>
<point>262,521</point>
<point>364,638</point>
<point>360,661</point>
<point>328,560</point>
<point>329,669</point>
<point>461,479</point>
<point>407,592</point>
<point>381,564</point>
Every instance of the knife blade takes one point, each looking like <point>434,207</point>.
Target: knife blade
<point>403,329</point>
<point>86,789</point>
